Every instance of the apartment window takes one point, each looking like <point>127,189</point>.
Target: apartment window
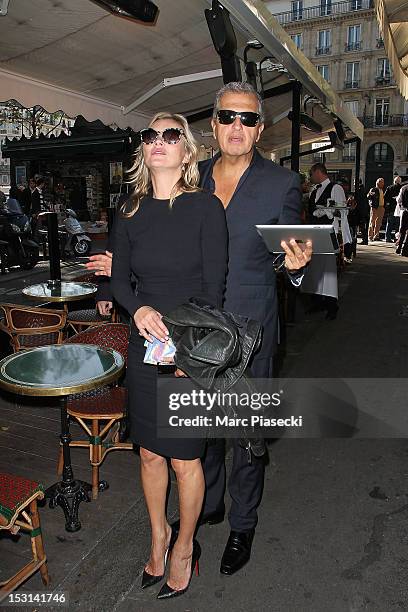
<point>383,68</point>
<point>325,7</point>
<point>352,105</point>
<point>382,152</point>
<point>353,38</point>
<point>382,110</point>
<point>297,10</point>
<point>323,42</point>
<point>380,40</point>
<point>298,40</point>
<point>352,75</point>
<point>349,151</point>
<point>356,5</point>
<point>324,71</point>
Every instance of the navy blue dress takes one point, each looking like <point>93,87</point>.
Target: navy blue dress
<point>173,254</point>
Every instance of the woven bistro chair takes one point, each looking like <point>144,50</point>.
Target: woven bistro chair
<point>28,327</point>
<point>79,320</point>
<point>18,511</point>
<point>100,411</point>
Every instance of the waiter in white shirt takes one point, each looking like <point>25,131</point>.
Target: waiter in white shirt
<point>321,275</point>
<point>323,191</point>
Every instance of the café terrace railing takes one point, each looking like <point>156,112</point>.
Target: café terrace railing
<point>323,10</point>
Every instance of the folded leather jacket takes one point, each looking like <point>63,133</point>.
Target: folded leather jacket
<point>214,347</point>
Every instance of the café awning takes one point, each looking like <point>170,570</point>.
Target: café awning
<point>76,57</point>
<point>393,19</point>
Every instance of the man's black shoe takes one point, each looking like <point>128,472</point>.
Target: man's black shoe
<point>237,551</point>
<point>212,518</point>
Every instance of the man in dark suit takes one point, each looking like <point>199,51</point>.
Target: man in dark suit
<point>254,191</point>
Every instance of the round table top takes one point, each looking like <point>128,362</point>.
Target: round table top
<point>60,292</point>
<point>60,369</point>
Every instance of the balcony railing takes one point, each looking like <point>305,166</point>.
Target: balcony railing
<point>381,121</point>
<point>314,12</point>
<point>353,46</point>
<point>383,80</point>
<point>351,84</point>
<point>323,50</point>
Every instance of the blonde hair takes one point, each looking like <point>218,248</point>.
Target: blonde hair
<point>139,173</point>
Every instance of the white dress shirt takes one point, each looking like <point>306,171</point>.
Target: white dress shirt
<point>337,192</point>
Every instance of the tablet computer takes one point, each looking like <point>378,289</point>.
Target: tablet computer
<point>323,237</point>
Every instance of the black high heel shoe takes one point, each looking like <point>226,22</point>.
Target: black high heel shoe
<point>166,592</point>
<point>149,580</point>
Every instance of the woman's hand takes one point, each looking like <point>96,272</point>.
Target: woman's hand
<point>180,374</point>
<point>104,307</point>
<point>101,263</point>
<point>149,323</point>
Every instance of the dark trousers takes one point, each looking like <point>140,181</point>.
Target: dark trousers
<point>363,225</point>
<point>402,243</point>
<point>245,484</point>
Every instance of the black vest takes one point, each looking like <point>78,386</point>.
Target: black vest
<point>326,195</point>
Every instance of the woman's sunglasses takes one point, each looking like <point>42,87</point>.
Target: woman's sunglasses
<point>169,135</point>
<point>226,117</point>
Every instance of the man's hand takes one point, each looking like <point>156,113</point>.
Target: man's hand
<point>104,307</point>
<point>101,263</point>
<point>180,374</point>
<point>149,321</point>
<point>297,255</point>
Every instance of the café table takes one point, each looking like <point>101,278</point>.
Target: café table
<point>60,291</point>
<point>60,370</point>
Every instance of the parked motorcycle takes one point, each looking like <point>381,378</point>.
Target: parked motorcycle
<point>76,240</point>
<point>17,247</point>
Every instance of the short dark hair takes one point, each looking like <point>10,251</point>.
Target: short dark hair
<point>318,166</point>
<point>39,181</point>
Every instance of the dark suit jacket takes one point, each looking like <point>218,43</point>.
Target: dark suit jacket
<point>374,200</point>
<point>36,201</point>
<point>266,194</point>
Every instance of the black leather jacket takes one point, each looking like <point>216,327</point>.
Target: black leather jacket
<point>214,348</point>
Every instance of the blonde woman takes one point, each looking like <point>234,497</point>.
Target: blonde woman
<point>171,237</point>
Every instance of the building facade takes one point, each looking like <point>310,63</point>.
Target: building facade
<point>342,39</point>
<point>16,122</point>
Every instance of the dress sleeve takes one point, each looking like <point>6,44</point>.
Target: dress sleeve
<point>121,268</point>
<point>214,251</point>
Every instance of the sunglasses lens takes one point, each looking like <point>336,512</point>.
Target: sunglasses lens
<point>249,119</point>
<point>171,135</point>
<point>226,117</point>
<point>148,136</point>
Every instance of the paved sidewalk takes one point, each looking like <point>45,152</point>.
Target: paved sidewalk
<point>332,533</point>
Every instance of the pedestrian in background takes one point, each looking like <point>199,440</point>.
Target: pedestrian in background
<point>376,201</point>
<point>390,196</point>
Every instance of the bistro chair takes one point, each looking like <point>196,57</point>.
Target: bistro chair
<point>79,320</point>
<point>100,411</point>
<point>18,511</point>
<point>29,327</point>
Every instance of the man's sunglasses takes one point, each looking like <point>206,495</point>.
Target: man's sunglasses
<point>226,117</point>
<point>169,135</point>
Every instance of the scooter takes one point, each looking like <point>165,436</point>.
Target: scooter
<point>16,246</point>
<point>77,240</point>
